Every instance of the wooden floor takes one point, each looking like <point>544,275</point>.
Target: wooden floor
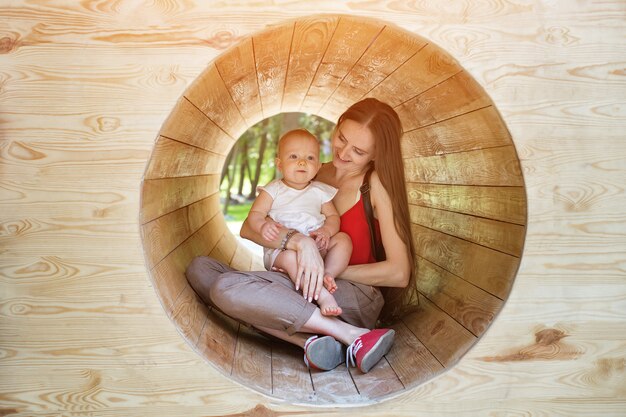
<point>276,368</point>
<point>84,90</point>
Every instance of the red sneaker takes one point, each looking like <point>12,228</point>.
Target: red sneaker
<point>369,348</point>
<point>323,353</point>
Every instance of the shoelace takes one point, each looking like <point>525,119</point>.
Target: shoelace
<point>352,350</point>
<point>306,345</point>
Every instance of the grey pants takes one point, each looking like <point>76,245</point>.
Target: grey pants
<point>269,299</point>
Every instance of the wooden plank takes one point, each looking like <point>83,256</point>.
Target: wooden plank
<point>446,339</point>
<point>172,159</point>
<point>242,259</point>
<point>189,313</point>
<point>310,40</point>
<point>201,211</point>
<point>253,360</point>
<point>186,123</point>
<point>457,95</point>
<point>162,196</point>
<point>237,68</point>
<point>494,167</point>
<point>479,129</point>
<point>218,340</point>
<point>162,235</point>
<point>427,68</point>
<point>351,39</point>
<point>501,236</point>
<point>410,359</point>
<point>165,233</point>
<point>336,385</point>
<point>380,381</point>
<point>472,307</point>
<point>271,54</point>
<point>225,248</point>
<point>506,204</point>
<point>486,268</point>
<point>381,59</point>
<point>209,93</point>
<point>169,274</point>
<point>290,377</point>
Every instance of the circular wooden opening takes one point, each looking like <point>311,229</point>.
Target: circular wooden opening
<point>465,187</point>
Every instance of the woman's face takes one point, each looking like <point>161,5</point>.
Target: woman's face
<point>353,146</point>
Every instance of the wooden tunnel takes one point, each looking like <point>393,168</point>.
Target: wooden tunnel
<point>465,188</point>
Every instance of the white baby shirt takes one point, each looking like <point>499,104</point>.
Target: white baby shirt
<point>299,209</point>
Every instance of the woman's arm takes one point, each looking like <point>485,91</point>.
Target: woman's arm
<point>310,275</point>
<point>396,269</point>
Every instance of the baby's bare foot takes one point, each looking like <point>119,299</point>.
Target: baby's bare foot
<point>330,310</point>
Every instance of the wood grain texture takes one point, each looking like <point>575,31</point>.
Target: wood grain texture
<point>350,40</point>
<point>412,361</point>
<point>85,88</point>
<point>504,237</point>
<point>218,339</point>
<point>271,54</point>
<point>507,204</point>
<point>380,59</point>
<point>469,305</point>
<point>290,376</point>
<point>209,94</point>
<point>253,360</point>
<point>338,384</point>
<point>427,68</point>
<point>188,124</point>
<point>478,129</point>
<point>169,273</point>
<point>486,268</point>
<point>432,325</point>
<point>310,41</point>
<point>189,161</point>
<point>237,68</point>
<point>492,167</point>
<point>378,382</point>
<point>164,234</point>
<point>457,95</point>
<point>164,195</point>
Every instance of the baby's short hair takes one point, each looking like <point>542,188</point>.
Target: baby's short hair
<point>293,132</point>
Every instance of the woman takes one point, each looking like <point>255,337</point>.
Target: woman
<point>367,134</point>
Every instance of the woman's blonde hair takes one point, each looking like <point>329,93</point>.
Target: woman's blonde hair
<point>384,123</point>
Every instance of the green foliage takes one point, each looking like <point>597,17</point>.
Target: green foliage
<point>238,212</point>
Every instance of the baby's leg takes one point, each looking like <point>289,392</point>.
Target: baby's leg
<point>327,304</point>
<point>337,258</point>
<point>287,261</point>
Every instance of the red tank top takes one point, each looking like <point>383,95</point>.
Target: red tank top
<point>354,223</point>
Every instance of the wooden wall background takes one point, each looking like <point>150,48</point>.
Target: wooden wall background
<point>84,90</point>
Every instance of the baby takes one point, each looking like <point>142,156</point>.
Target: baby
<point>297,202</point>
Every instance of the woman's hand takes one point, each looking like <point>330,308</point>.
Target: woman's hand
<point>310,273</point>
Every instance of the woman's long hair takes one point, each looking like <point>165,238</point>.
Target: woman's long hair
<point>384,123</point>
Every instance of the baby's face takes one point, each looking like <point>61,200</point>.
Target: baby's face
<point>298,159</point>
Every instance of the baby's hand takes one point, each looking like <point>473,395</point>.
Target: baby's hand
<point>270,230</point>
<point>322,237</point>
<point>330,284</point>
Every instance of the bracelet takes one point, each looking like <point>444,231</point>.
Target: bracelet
<point>290,233</point>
